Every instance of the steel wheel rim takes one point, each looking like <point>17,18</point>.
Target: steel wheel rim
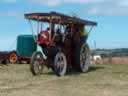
<point>36,68</point>
<point>13,58</point>
<point>60,63</point>
<point>84,58</point>
<point>36,64</point>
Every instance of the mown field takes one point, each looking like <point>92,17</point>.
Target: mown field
<point>101,80</point>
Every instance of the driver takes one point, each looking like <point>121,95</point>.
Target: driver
<point>67,29</point>
<point>45,34</point>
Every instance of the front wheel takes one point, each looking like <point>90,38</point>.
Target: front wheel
<point>60,64</point>
<point>35,64</point>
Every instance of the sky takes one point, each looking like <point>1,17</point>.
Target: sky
<point>111,16</point>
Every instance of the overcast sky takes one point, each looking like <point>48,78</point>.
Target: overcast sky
<point>111,16</point>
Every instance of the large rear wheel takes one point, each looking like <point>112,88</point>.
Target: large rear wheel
<point>82,57</point>
<point>35,64</point>
<point>60,64</point>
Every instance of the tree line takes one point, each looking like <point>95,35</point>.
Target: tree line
<point>118,52</point>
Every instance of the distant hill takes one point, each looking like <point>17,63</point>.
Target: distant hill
<point>118,52</point>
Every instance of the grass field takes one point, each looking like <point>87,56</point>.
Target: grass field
<point>101,80</point>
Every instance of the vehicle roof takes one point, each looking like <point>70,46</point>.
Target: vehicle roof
<point>57,17</point>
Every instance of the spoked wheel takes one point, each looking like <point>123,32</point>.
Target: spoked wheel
<point>35,64</point>
<point>13,58</point>
<point>60,64</point>
<point>84,58</point>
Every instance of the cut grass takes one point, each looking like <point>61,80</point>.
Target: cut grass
<point>101,80</point>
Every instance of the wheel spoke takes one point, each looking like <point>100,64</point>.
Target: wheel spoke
<point>84,58</point>
<point>36,68</point>
<point>36,65</point>
<point>60,64</point>
<point>13,58</point>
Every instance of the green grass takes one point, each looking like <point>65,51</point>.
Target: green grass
<point>101,80</point>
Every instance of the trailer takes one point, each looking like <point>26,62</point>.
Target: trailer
<point>24,49</point>
<point>9,57</point>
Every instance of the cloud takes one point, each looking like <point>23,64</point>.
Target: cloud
<point>110,11</point>
<point>111,8</point>
<point>123,3</point>
<point>9,1</point>
<point>47,2</point>
<point>94,7</point>
<point>52,3</point>
<point>85,1</point>
<point>11,13</point>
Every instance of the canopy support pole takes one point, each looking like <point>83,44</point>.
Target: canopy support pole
<point>32,31</point>
<point>38,27</point>
<point>41,26</point>
<point>50,34</point>
<point>90,30</point>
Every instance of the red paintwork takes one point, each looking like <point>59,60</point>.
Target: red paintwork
<point>43,40</point>
<point>4,55</point>
<point>26,59</point>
